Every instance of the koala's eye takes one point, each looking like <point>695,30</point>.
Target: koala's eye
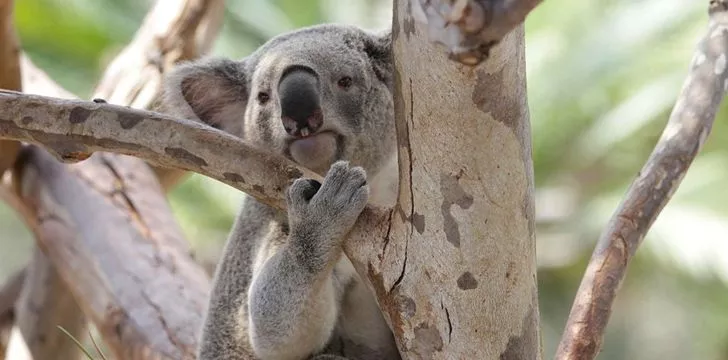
<point>263,97</point>
<point>345,82</point>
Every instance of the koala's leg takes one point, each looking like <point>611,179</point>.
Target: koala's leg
<point>293,300</point>
<point>328,357</point>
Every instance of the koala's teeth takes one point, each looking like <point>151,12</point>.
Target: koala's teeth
<point>304,132</point>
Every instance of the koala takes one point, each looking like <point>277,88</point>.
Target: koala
<point>322,97</point>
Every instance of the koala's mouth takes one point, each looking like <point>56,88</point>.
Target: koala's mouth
<point>316,151</point>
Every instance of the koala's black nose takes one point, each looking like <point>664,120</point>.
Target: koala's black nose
<point>298,92</point>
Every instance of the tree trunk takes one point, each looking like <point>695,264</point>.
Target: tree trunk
<point>461,265</point>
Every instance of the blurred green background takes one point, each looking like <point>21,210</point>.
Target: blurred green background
<point>602,78</point>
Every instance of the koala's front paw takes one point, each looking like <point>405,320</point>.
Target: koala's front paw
<point>329,209</point>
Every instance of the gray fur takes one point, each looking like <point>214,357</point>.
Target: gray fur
<point>284,289</point>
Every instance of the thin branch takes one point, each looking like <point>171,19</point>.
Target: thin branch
<point>470,28</point>
<point>9,74</point>
<point>686,131</point>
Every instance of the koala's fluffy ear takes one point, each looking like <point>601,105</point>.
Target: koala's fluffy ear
<point>212,90</point>
<point>379,49</point>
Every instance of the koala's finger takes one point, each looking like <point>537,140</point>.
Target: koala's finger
<point>360,198</point>
<point>336,177</point>
<point>302,190</point>
<point>357,178</point>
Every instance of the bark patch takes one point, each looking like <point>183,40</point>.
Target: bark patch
<point>180,153</point>
<point>79,115</point>
<point>524,346</point>
<point>427,341</point>
<point>233,177</point>
<point>491,95</point>
<point>452,194</point>
<point>128,121</point>
<point>467,281</point>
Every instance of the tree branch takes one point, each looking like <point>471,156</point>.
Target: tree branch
<point>9,74</point>
<point>158,138</point>
<point>470,28</point>
<point>686,131</point>
<point>41,300</point>
<point>176,29</point>
<point>147,308</point>
<point>44,303</point>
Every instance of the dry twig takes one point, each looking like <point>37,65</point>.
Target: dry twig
<point>686,131</point>
<point>470,28</point>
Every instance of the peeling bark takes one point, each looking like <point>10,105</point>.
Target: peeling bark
<point>685,133</point>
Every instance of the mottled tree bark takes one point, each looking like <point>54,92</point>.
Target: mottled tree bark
<point>457,276</point>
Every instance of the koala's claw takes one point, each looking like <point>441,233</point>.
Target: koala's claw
<point>302,190</point>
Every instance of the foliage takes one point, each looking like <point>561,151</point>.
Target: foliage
<point>602,77</point>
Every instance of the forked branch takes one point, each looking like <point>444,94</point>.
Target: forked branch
<point>686,131</point>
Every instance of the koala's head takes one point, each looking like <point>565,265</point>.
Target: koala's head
<point>315,95</point>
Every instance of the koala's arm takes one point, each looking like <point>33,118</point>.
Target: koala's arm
<point>224,331</point>
<point>294,298</point>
